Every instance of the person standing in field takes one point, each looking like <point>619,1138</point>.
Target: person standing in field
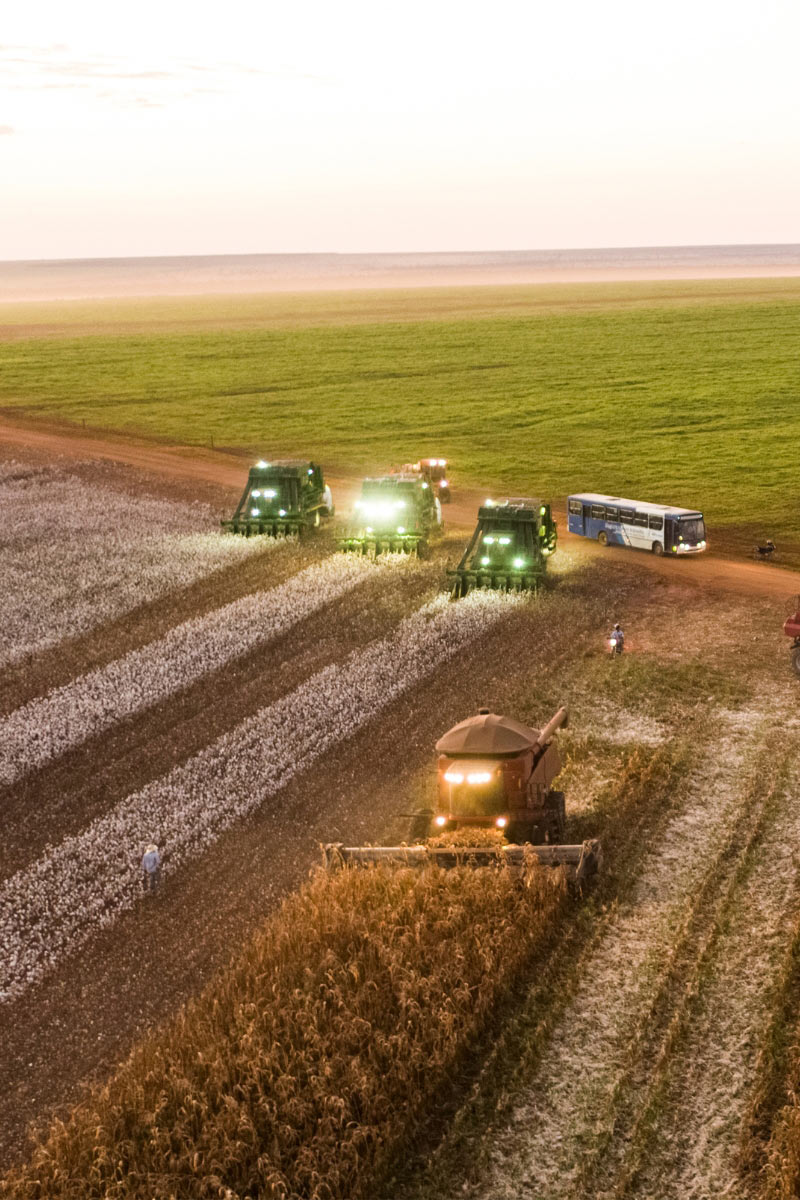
<point>151,868</point>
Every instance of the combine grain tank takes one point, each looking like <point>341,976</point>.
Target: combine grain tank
<point>281,498</point>
<point>395,514</point>
<point>509,548</point>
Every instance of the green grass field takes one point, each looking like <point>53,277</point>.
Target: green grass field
<point>687,392</point>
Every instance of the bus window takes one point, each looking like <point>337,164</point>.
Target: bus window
<point>599,510</point>
<point>690,529</point>
<point>627,515</point>
<point>612,514</point>
<point>656,523</point>
<point>575,507</point>
<point>640,519</point>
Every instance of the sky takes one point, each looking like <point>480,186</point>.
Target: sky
<point>176,128</point>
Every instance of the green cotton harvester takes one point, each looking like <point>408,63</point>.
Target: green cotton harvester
<point>281,498</point>
<point>509,548</point>
<point>395,514</point>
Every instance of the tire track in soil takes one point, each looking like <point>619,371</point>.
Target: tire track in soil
<point>565,1119</point>
<point>91,779</point>
<point>692,1124</point>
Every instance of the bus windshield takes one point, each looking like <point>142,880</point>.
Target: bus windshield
<point>692,529</point>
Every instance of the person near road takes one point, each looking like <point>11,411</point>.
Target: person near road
<point>151,868</point>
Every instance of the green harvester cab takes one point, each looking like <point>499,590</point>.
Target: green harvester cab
<point>395,514</point>
<point>281,498</point>
<point>509,548</point>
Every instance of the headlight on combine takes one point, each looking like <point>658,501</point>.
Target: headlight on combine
<point>501,822</point>
<point>479,777</point>
<point>454,777</point>
<point>441,822</point>
<point>519,562</point>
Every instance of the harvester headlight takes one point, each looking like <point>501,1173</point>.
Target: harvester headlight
<point>254,512</point>
<point>441,822</point>
<point>442,483</point>
<point>479,777</point>
<point>489,503</point>
<point>442,462</point>
<point>281,512</point>
<point>424,485</point>
<point>255,493</point>
<point>543,511</point>
<point>501,822</point>
<point>401,528</point>
<point>504,541</point>
<point>261,463</point>
<point>485,560</point>
<point>270,493</point>
<point>454,777</point>
<point>370,529</point>
<point>488,541</point>
<point>399,503</point>
<point>519,562</point>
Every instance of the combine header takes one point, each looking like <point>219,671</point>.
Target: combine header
<point>509,548</point>
<point>281,498</point>
<point>396,514</point>
<point>494,774</point>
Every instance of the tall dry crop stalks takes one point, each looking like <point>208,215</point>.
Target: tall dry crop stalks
<point>309,1066</point>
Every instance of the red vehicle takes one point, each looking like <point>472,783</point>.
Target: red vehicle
<point>791,627</point>
<point>434,472</point>
<point>495,773</point>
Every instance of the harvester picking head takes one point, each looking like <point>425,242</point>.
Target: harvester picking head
<point>281,498</point>
<point>395,514</point>
<point>509,548</point>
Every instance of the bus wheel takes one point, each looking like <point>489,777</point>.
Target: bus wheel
<point>658,549</point>
<point>602,537</point>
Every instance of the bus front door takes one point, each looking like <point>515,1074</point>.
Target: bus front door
<point>587,512</point>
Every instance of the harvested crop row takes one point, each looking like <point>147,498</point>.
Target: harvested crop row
<point>48,727</point>
<point>307,1068</point>
<point>48,910</point>
<point>74,556</point>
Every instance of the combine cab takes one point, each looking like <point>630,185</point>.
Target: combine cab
<point>281,498</point>
<point>396,514</point>
<point>434,472</point>
<point>494,774</point>
<point>509,548</point>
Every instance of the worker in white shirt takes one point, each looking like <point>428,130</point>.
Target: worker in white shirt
<point>151,868</point>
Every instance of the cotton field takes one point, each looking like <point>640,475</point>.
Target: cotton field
<point>73,555</point>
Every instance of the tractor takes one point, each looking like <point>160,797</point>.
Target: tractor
<point>494,780</point>
<point>281,498</point>
<point>434,472</point>
<point>509,548</point>
<point>395,514</point>
<point>791,627</point>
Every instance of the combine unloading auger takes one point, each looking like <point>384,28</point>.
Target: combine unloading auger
<point>281,498</point>
<point>509,548</point>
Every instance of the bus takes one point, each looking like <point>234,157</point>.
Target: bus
<point>613,521</point>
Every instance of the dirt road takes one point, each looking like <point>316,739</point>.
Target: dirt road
<point>227,469</point>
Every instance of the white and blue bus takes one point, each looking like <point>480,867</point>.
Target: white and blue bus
<point>613,521</point>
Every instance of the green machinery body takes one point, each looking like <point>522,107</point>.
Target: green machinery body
<point>395,514</point>
<point>281,498</point>
<point>509,548</point>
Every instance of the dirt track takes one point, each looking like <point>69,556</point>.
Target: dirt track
<point>184,464</point>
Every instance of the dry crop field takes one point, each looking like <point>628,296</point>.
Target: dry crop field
<point>238,702</point>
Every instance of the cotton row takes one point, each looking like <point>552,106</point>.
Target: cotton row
<point>68,716</point>
<point>73,556</point>
<point>48,910</point>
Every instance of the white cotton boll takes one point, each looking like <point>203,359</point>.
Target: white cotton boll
<point>49,910</point>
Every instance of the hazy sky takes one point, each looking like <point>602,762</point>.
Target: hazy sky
<point>168,127</point>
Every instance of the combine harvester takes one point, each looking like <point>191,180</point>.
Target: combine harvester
<point>493,774</point>
<point>281,498</point>
<point>396,514</point>
<point>509,548</point>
